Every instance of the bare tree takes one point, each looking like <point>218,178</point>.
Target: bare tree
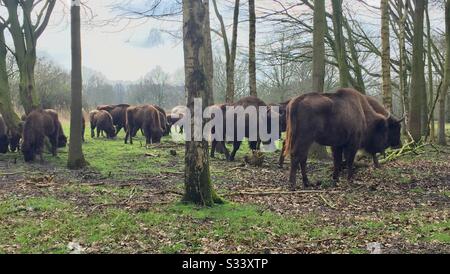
<point>385,55</point>
<point>446,84</point>
<point>230,52</point>
<point>252,48</point>
<point>25,38</point>
<point>417,76</point>
<point>76,158</point>
<point>198,187</point>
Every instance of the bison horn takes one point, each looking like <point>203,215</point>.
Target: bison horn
<point>402,119</point>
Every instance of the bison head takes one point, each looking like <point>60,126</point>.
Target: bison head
<point>394,128</point>
<point>111,132</point>
<point>377,138</point>
<point>4,141</point>
<point>62,140</point>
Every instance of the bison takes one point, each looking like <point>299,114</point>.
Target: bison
<point>4,140</point>
<point>38,125</point>
<point>118,113</point>
<point>147,118</point>
<point>103,122</point>
<point>254,144</point>
<point>394,127</point>
<point>343,120</point>
<point>163,120</point>
<point>62,138</point>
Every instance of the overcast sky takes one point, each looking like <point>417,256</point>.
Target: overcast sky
<point>128,50</point>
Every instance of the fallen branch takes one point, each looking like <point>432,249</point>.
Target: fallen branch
<point>266,193</point>
<point>327,202</point>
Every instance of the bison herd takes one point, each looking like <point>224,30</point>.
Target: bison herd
<point>345,120</point>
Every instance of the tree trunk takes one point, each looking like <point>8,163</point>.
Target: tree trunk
<point>386,56</point>
<point>76,158</point>
<point>403,76</point>
<point>230,54</point>
<point>430,127</point>
<point>198,187</point>
<point>359,84</point>
<point>209,55</point>
<point>11,118</point>
<point>344,76</point>
<point>25,38</point>
<point>417,74</point>
<point>446,84</point>
<point>320,25</point>
<point>252,48</point>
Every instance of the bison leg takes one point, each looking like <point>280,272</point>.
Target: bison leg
<point>54,144</point>
<point>281,159</point>
<point>350,154</point>
<point>118,128</point>
<point>213,147</point>
<point>98,133</point>
<point>236,146</point>
<point>375,161</point>
<point>337,162</point>
<point>92,131</point>
<point>293,172</point>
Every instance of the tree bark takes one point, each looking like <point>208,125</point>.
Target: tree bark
<point>441,137</point>
<point>417,75</point>
<point>403,75</point>
<point>252,48</point>
<point>76,158</point>
<point>344,75</point>
<point>198,187</point>
<point>430,127</point>
<point>11,118</point>
<point>386,56</point>
<point>230,53</point>
<point>25,38</point>
<point>320,24</point>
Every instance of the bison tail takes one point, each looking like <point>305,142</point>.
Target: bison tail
<point>290,127</point>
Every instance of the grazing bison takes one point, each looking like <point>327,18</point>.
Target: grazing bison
<point>394,127</point>
<point>163,120</point>
<point>254,145</point>
<point>343,120</point>
<point>118,113</point>
<point>4,140</point>
<point>147,118</point>
<point>62,138</point>
<point>38,125</point>
<point>103,122</point>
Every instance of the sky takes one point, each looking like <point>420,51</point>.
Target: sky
<point>127,50</point>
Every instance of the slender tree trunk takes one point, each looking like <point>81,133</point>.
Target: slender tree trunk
<point>320,25</point>
<point>252,48</point>
<point>430,127</point>
<point>359,85</point>
<point>76,158</point>
<point>417,75</point>
<point>198,187</point>
<point>386,56</point>
<point>403,76</point>
<point>209,55</point>
<point>446,84</point>
<point>11,118</point>
<point>344,75</point>
<point>25,38</point>
<point>230,53</point>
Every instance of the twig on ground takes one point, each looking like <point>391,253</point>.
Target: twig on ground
<point>327,202</point>
<point>265,193</point>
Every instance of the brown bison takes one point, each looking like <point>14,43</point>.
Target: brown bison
<point>4,140</point>
<point>343,120</point>
<point>394,126</point>
<point>83,126</point>
<point>147,118</point>
<point>103,122</point>
<point>163,120</point>
<point>38,125</point>
<point>118,113</point>
<point>62,138</point>
<point>255,144</point>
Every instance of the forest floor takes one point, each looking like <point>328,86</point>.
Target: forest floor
<point>127,201</point>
